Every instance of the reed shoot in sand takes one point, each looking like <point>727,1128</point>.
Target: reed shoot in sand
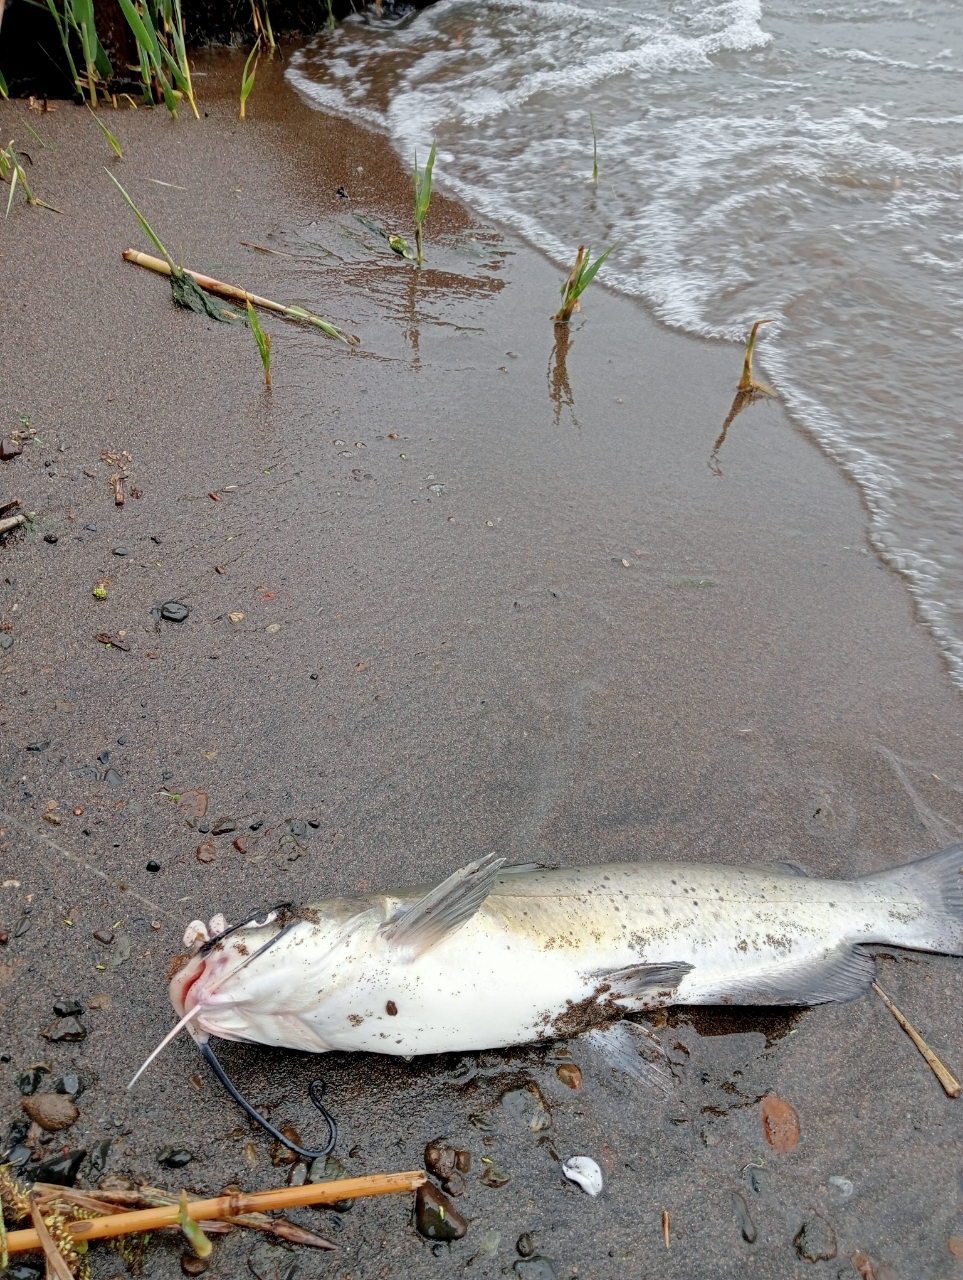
<point>422,199</point>
<point>263,341</point>
<point>747,382</point>
<point>247,75</point>
<point>5,92</point>
<point>262,23</point>
<point>579,279</point>
<point>114,144</point>
<point>595,152</point>
<point>75,20</point>
<point>145,225</point>
<point>12,171</point>
<point>158,27</point>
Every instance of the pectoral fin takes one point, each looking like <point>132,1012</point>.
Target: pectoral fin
<point>647,983</point>
<point>443,909</point>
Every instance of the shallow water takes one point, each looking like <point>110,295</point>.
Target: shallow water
<point>802,162</point>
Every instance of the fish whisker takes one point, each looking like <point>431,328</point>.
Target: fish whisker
<point>188,1017</point>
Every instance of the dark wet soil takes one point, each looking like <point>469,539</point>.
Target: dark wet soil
<point>480,601</point>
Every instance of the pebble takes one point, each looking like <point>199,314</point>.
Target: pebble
<point>116,1182</point>
<point>206,852</point>
<point>106,936</point>
<point>570,1075</point>
<point>65,1008</point>
<point>463,1161</point>
<point>23,1271</point>
<point>52,1111</point>
<point>6,642</point>
<point>527,1106</point>
<point>455,1185</point>
<point>743,1220</point>
<point>486,1247</point>
<point>153,866</point>
<point>174,611</point>
<point>61,1170</point>
<point>815,1240</point>
<point>10,449</point>
<point>119,551</point>
<point>192,1265</point>
<point>67,1030</point>
<point>525,1245</point>
<point>842,1185</point>
<point>758,1179</point>
<point>494,1176</point>
<point>70,1084</point>
<point>174,1157</point>
<point>268,1262</point>
<point>298,828</point>
<point>585,1173</point>
<point>436,1217</point>
<point>223,826</point>
<point>28,1081</point>
<point>282,1155</point>
<point>780,1124</point>
<point>534,1268</point>
<point>440,1159</point>
<point>113,778</point>
<point>99,1155</point>
<point>328,1169</point>
<point>51,538</point>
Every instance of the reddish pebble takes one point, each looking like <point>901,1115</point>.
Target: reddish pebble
<point>569,1074</point>
<point>206,852</point>
<point>240,844</point>
<point>780,1124</point>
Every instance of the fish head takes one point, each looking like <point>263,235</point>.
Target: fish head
<point>264,980</point>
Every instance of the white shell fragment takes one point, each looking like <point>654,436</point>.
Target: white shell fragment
<point>216,925</point>
<point>584,1172</point>
<point>842,1185</point>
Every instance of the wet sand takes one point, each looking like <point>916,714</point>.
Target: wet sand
<point>488,603</point>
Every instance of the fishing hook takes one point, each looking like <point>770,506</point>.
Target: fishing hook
<point>315,1091</point>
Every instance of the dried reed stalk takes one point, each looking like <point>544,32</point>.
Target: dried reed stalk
<point>946,1078</point>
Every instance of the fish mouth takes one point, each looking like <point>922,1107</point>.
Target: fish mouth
<point>183,995</point>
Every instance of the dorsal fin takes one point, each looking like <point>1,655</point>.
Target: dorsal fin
<point>444,908</point>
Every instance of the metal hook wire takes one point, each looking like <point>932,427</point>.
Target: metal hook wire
<point>315,1091</point>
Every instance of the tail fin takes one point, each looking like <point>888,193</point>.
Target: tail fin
<point>924,900</point>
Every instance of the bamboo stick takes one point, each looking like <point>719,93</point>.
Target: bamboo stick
<point>234,292</point>
<point>121,1224</point>
<point>946,1078</point>
<point>11,522</point>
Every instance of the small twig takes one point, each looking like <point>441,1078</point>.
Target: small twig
<point>665,1227</point>
<point>11,506</point>
<point>946,1078</point>
<point>11,522</point>
<point>56,1262</point>
<point>118,482</point>
<point>262,249</point>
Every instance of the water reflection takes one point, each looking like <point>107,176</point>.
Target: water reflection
<point>744,398</point>
<point>559,387</point>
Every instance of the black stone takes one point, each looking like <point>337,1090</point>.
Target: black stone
<point>256,826</point>
<point>113,778</point>
<point>17,1131</point>
<point>51,538</point>
<point>153,866</point>
<point>29,1082</point>
<point>99,1155</point>
<point>204,827</point>
<point>61,1170</point>
<point>65,1008</point>
<point>104,757</point>
<point>174,611</point>
<point>70,1084</point>
<point>436,1217</point>
<point>122,740</point>
<point>18,1156</point>
<point>525,1244</point>
<point>65,1030</point>
<point>174,1157</point>
<point>154,538</point>
<point>38,746</point>
<point>223,826</point>
<point>24,1271</point>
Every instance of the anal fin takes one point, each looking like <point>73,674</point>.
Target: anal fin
<point>837,974</point>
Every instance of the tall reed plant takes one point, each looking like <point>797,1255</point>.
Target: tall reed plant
<point>422,199</point>
<point>579,279</point>
<point>158,27</point>
<point>75,21</point>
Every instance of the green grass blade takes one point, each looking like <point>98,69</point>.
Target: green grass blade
<point>247,81</point>
<point>114,144</point>
<point>423,186</point>
<point>148,229</point>
<point>299,313</point>
<point>590,272</point>
<point>30,129</point>
<point>4,91</point>
<point>13,187</point>
<point>263,342</point>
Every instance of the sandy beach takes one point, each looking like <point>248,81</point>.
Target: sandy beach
<point>487,595</point>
